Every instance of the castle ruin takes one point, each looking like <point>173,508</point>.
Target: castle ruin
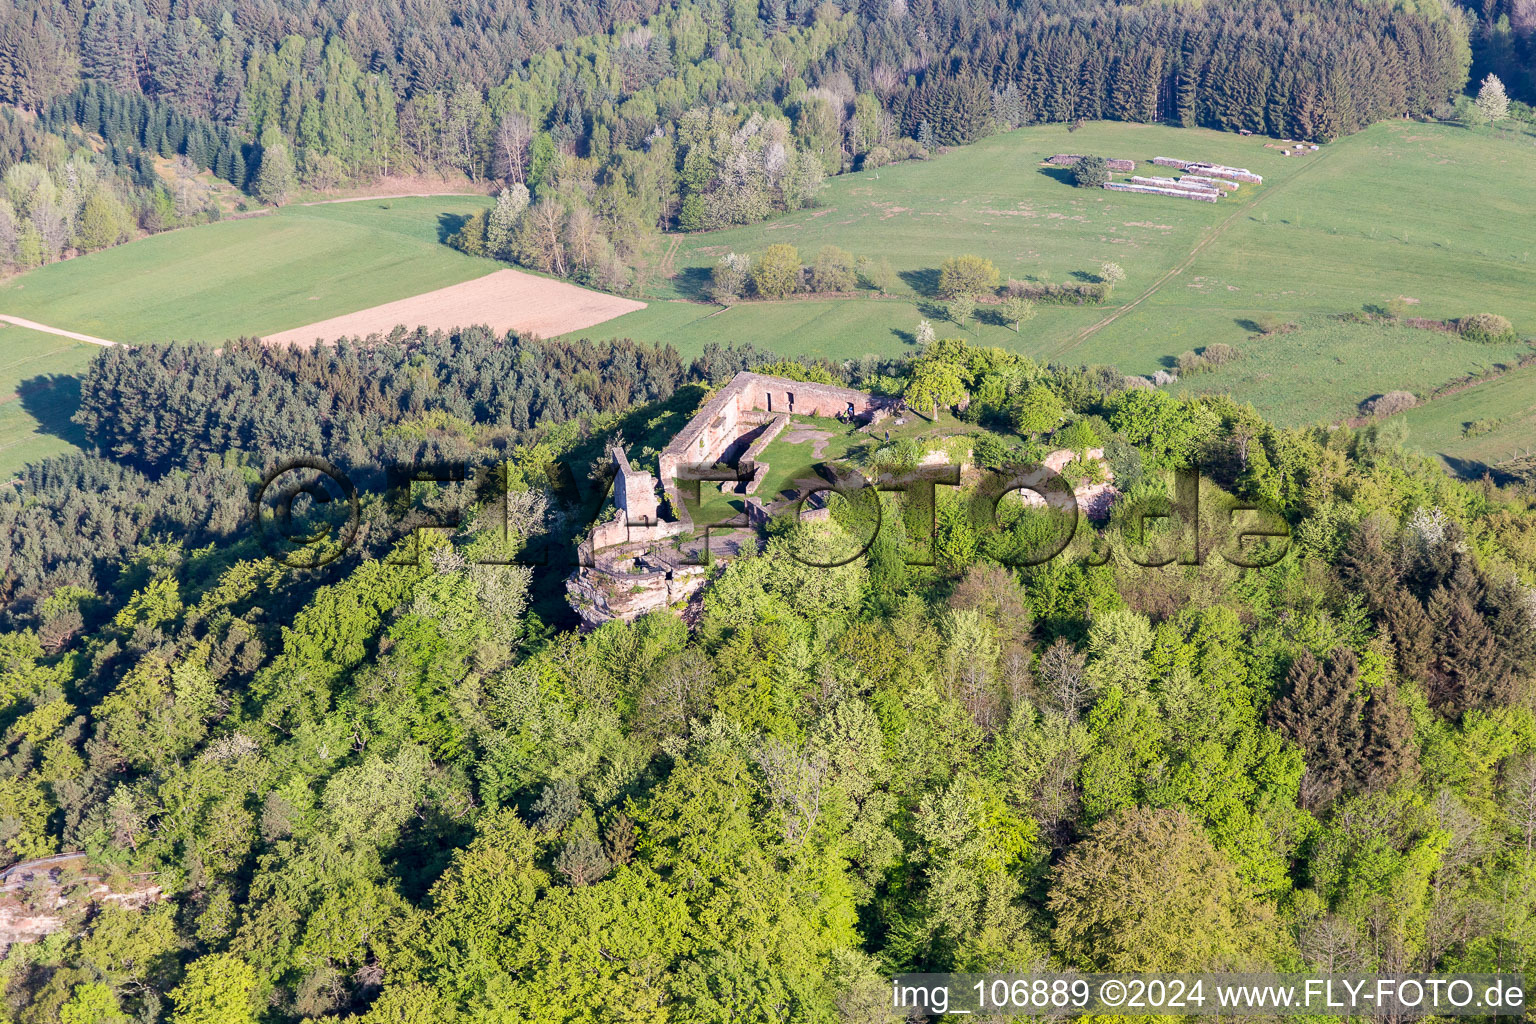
<point>627,567</point>
<point>637,561</point>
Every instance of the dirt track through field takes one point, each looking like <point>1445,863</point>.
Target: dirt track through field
<point>1183,264</point>
<point>507,300</point>
<point>35,326</point>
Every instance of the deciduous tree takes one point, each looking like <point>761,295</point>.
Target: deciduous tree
<point>1146,891</point>
<point>776,273</point>
<point>967,275</point>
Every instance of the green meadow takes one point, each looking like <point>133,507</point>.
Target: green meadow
<point>1432,215</point>
<point>39,391</point>
<point>250,276</point>
<point>834,328</point>
<point>1504,407</point>
<point>1324,368</point>
<point>255,275</point>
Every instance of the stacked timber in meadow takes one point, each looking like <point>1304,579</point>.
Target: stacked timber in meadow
<point>1183,184</point>
<point>1221,183</point>
<point>1230,173</point>
<point>1069,159</point>
<point>1159,190</point>
<point>1210,170</point>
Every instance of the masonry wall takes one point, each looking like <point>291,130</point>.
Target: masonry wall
<point>712,431</point>
<point>617,532</point>
<point>755,451</point>
<point>724,417</point>
<point>634,492</point>
<point>776,395</point>
<point>748,398</point>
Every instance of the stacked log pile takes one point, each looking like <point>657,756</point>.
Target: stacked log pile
<point>1179,183</point>
<point>1230,173</point>
<point>1221,183</point>
<point>1068,159</point>
<point>1210,170</point>
<point>1178,193</point>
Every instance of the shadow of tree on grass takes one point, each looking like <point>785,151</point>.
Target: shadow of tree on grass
<point>52,399</point>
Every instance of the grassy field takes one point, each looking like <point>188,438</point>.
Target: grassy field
<point>38,394</point>
<point>1439,427</point>
<point>1323,369</point>
<point>1364,220</point>
<point>1434,214</point>
<point>993,199</point>
<point>1430,213</point>
<point>253,276</point>
<point>837,328</point>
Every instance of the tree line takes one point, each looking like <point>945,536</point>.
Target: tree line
<point>1503,44</point>
<point>60,195</point>
<point>157,407</point>
<point>133,125</point>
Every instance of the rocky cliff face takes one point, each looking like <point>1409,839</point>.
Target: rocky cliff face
<point>36,896</point>
<point>629,588</point>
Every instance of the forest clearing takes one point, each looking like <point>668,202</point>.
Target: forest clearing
<point>1195,275</point>
<point>1325,236</point>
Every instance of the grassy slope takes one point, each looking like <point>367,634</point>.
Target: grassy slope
<point>252,276</point>
<point>1322,370</point>
<point>1437,426</point>
<point>1433,212</point>
<point>993,199</point>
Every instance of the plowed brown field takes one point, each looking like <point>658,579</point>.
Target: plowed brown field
<point>507,300</point>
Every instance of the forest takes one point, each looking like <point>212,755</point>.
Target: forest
<point>622,121</point>
<point>59,196</point>
<point>172,426</point>
<point>405,789</point>
<point>1504,45</point>
<point>403,786</point>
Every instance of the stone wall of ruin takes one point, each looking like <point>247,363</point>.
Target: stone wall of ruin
<point>722,420</point>
<point>755,452</point>
<point>618,532</point>
<point>634,492</point>
<point>776,395</point>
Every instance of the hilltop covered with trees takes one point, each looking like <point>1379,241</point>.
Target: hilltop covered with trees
<point>400,792</point>
<point>1503,34</point>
